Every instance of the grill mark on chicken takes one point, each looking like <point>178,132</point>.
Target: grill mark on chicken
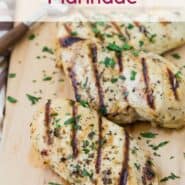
<point>72,76</point>
<point>116,26</point>
<point>149,93</point>
<point>142,28</point>
<point>119,60</point>
<point>174,83</point>
<point>74,141</point>
<point>93,49</point>
<point>69,40</point>
<point>148,173</point>
<point>124,171</point>
<point>99,151</point>
<point>47,122</point>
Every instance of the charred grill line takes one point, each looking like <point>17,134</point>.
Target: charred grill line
<point>148,173</point>
<point>93,49</point>
<point>149,93</point>
<point>99,151</point>
<point>119,59</point>
<point>48,121</point>
<point>74,141</point>
<point>124,172</point>
<point>142,28</point>
<point>69,40</point>
<point>174,83</point>
<point>72,76</point>
<point>117,27</point>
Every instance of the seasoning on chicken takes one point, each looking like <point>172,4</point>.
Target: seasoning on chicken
<point>125,85</point>
<point>86,149</point>
<point>157,37</point>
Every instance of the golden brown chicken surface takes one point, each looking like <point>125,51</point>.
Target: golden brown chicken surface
<point>84,148</point>
<point>157,37</point>
<point>123,84</point>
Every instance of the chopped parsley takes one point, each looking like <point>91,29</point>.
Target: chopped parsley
<point>114,47</point>
<point>137,166</point>
<point>114,80</point>
<point>127,47</point>
<point>11,75</point>
<point>109,62</point>
<point>33,99</point>
<point>149,135</point>
<point>74,33</point>
<point>47,50</point>
<point>85,173</point>
<point>156,147</point>
<point>72,120</point>
<point>172,176</point>
<point>11,99</point>
<point>53,183</point>
<point>130,26</point>
<point>152,38</point>
<point>31,36</point>
<point>141,43</point>
<point>47,78</point>
<point>84,103</point>
<point>176,56</point>
<point>133,75</point>
<point>135,52</point>
<point>178,75</point>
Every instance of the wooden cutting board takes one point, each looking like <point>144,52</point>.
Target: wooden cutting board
<point>33,63</point>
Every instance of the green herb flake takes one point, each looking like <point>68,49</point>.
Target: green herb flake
<point>133,75</point>
<point>53,183</point>
<point>84,103</point>
<point>136,53</point>
<point>72,120</point>
<point>33,99</point>
<point>178,75</point>
<point>114,80</point>
<point>130,26</point>
<point>109,62</point>
<point>69,121</point>
<point>31,36</point>
<point>127,47</point>
<point>11,75</point>
<point>172,176</point>
<point>176,56</point>
<point>85,173</point>
<point>156,147</point>
<point>47,78</point>
<point>74,33</point>
<point>149,135</point>
<point>11,99</point>
<point>152,38</point>
<point>141,43</point>
<point>47,50</point>
<point>137,166</point>
<point>114,47</point>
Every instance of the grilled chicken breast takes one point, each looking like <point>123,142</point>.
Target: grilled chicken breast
<point>156,37</point>
<point>124,86</point>
<point>84,148</point>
